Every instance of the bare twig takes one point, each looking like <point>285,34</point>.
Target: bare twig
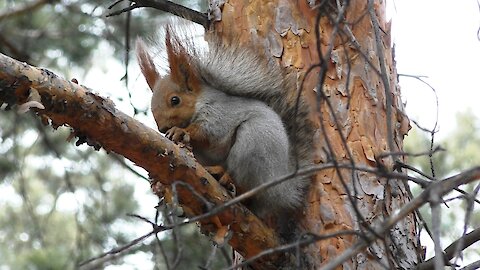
<point>439,187</point>
<point>236,200</point>
<point>468,216</point>
<point>449,252</point>
<point>434,129</point>
<point>124,164</point>
<point>167,6</point>
<point>211,257</point>
<point>473,266</point>
<point>424,183</point>
<point>305,240</point>
<point>121,249</point>
<point>436,222</point>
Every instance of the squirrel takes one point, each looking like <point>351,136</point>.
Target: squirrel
<point>236,109</point>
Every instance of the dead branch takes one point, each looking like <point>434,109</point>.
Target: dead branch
<point>95,120</point>
<point>473,266</point>
<point>449,252</point>
<point>167,6</point>
<point>438,188</point>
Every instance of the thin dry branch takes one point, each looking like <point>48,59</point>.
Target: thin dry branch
<point>473,266</point>
<point>95,120</point>
<point>438,188</point>
<point>167,6</point>
<point>449,252</point>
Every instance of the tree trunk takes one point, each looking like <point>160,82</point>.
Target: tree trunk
<point>358,112</point>
<point>344,56</point>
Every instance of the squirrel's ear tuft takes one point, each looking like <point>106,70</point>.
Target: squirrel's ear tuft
<point>147,66</point>
<point>180,59</point>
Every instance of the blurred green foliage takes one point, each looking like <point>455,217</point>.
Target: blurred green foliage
<point>461,151</point>
<point>61,204</point>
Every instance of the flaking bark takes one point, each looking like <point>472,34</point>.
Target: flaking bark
<point>356,106</point>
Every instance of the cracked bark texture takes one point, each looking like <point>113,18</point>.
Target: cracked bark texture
<point>354,86</point>
<point>284,30</point>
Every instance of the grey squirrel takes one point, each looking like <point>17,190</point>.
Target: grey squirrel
<point>237,109</point>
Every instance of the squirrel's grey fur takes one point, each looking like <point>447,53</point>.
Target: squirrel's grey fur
<point>248,108</point>
<point>241,72</point>
<point>258,144</point>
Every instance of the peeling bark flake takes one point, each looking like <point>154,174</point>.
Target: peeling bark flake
<point>371,186</point>
<point>283,19</point>
<point>274,42</point>
<point>327,214</point>
<point>367,148</point>
<point>337,59</point>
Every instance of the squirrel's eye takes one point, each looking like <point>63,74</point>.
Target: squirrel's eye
<point>174,101</point>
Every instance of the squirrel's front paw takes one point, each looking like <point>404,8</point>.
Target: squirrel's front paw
<point>177,134</point>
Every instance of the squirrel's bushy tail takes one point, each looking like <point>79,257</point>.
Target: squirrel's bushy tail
<point>239,70</point>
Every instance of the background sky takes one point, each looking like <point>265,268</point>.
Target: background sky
<point>438,39</point>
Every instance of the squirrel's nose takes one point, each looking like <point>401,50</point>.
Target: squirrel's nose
<point>163,129</point>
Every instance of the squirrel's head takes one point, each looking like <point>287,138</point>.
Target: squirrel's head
<point>172,105</point>
<point>174,95</point>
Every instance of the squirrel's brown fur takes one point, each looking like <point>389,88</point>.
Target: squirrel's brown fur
<point>237,109</point>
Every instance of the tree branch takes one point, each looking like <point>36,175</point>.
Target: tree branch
<point>449,253</point>
<point>440,188</point>
<point>167,6</point>
<point>95,120</point>
<point>473,266</point>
